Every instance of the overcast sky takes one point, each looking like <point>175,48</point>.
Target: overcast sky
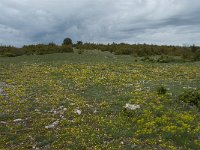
<point>131,21</point>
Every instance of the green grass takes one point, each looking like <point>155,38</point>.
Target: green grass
<point>40,90</point>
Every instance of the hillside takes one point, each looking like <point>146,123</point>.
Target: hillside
<point>97,100</point>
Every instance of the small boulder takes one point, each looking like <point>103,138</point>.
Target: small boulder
<point>77,111</point>
<point>17,120</point>
<point>1,91</point>
<point>52,125</point>
<point>131,106</point>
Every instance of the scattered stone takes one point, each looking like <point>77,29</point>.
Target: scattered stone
<point>17,120</point>
<point>133,146</point>
<point>131,106</point>
<point>55,112</point>
<point>53,125</point>
<point>62,117</point>
<point>1,90</point>
<point>77,111</point>
<point>3,122</point>
<point>2,84</point>
<point>37,110</point>
<point>61,107</point>
<point>65,109</point>
<point>72,121</point>
<point>95,111</point>
<point>72,104</point>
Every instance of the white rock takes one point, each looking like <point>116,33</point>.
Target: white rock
<point>17,120</point>
<point>133,146</point>
<point>61,107</point>
<point>95,111</point>
<point>53,125</point>
<point>55,112</point>
<point>131,106</point>
<point>77,111</point>
<point>64,109</point>
<point>3,122</point>
<point>1,90</point>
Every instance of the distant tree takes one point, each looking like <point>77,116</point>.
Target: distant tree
<point>52,44</point>
<point>193,48</point>
<point>79,43</point>
<point>67,41</point>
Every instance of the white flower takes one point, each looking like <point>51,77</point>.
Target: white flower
<point>131,106</point>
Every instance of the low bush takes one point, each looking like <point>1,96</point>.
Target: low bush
<point>161,90</point>
<point>9,55</point>
<point>165,59</point>
<point>191,97</point>
<point>123,51</point>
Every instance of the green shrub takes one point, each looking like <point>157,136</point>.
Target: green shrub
<point>123,51</point>
<point>161,90</point>
<point>64,49</point>
<point>191,97</point>
<point>42,49</point>
<point>147,59</point>
<point>165,59</point>
<point>9,54</point>
<point>196,56</point>
<point>80,51</point>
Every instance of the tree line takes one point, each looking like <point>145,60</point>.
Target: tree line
<point>143,50</point>
<point>139,50</point>
<point>37,49</point>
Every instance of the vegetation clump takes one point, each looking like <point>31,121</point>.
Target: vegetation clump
<point>161,90</point>
<point>191,97</point>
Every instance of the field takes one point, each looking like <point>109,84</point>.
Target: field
<point>77,101</point>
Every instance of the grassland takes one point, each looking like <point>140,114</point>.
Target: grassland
<point>76,101</point>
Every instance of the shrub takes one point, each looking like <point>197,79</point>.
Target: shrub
<point>79,43</point>
<point>10,51</point>
<point>147,59</point>
<point>165,59</point>
<point>161,90</point>
<point>191,97</point>
<point>9,55</point>
<point>41,49</point>
<point>196,56</point>
<point>80,51</point>
<point>65,48</point>
<point>123,51</point>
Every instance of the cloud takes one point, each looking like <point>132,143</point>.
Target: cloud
<point>151,21</point>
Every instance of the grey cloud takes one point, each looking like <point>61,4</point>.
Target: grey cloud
<point>158,21</point>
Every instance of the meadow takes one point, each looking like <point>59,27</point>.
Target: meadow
<point>77,101</point>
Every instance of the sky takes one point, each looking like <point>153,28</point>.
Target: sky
<point>170,22</point>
